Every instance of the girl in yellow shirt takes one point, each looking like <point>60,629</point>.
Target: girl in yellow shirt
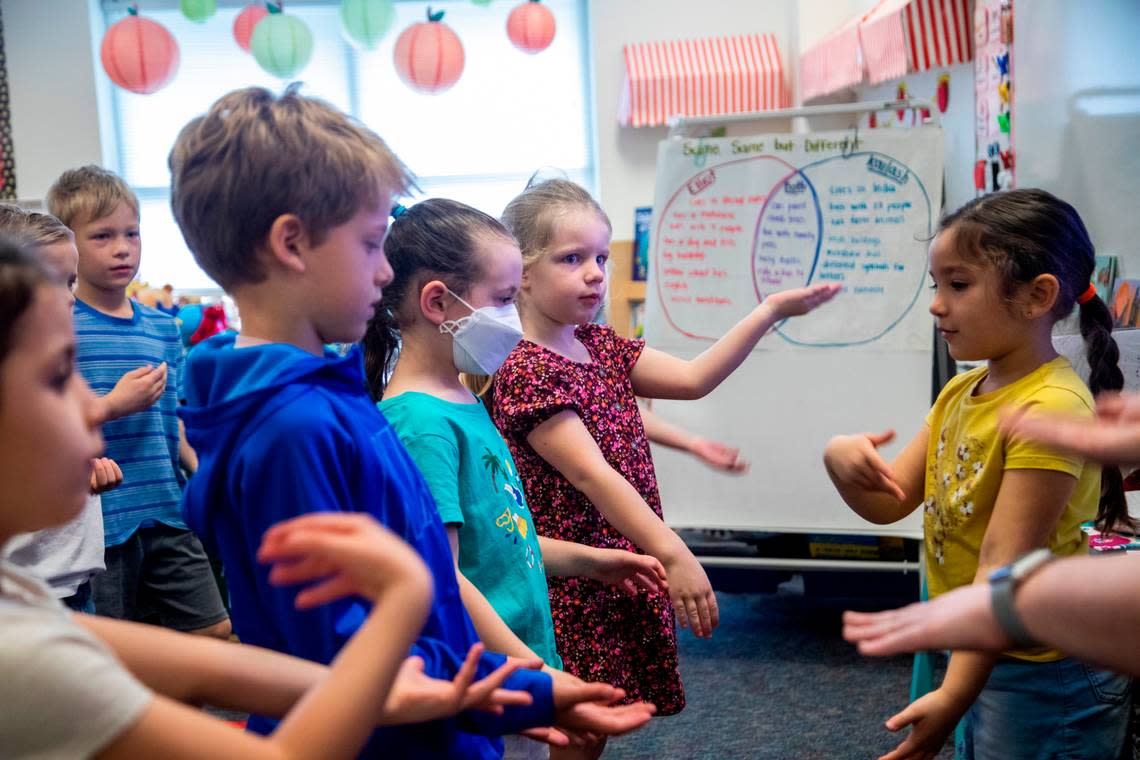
<point>1005,268</point>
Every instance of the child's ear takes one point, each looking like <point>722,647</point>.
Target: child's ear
<point>1041,295</point>
<point>434,300</point>
<point>286,241</point>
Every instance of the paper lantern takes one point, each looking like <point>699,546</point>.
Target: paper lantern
<point>246,21</point>
<point>483,3</point>
<point>531,27</point>
<point>198,10</point>
<point>138,54</point>
<point>365,22</point>
<point>429,55</point>
<point>281,44</point>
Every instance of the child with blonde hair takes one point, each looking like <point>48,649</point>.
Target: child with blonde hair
<point>565,400</point>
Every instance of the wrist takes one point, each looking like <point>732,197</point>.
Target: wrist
<point>1005,583</point>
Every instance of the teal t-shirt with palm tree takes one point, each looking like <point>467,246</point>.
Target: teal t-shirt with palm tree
<point>472,476</point>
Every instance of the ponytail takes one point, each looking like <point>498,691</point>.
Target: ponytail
<point>1105,375</point>
<point>381,344</point>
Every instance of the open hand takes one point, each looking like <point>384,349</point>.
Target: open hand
<point>931,717</point>
<point>959,619</point>
<point>627,570</point>
<point>692,595</point>
<point>718,456</point>
<point>105,475</point>
<point>588,709</point>
<point>345,553</point>
<point>855,460</point>
<point>1112,438</point>
<point>799,301</point>
<point>417,697</point>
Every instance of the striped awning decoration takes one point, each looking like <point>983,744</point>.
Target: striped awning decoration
<point>893,39</point>
<point>902,36</point>
<point>834,63</point>
<point>704,77</point>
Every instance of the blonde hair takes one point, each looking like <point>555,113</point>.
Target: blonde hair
<point>33,228</point>
<point>532,215</point>
<point>255,156</point>
<point>88,193</point>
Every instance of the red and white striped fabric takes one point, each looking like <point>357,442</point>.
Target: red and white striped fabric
<point>707,77</point>
<point>900,36</point>
<point>833,63</point>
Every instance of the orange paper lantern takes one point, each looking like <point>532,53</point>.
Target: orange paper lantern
<point>138,54</point>
<point>429,55</point>
<point>246,21</point>
<point>531,27</point>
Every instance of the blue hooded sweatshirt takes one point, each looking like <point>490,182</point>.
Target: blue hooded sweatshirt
<point>280,433</point>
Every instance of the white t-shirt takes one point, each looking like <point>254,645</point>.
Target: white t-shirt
<point>62,692</point>
<point>65,556</point>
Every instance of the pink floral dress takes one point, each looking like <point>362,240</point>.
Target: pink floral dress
<point>603,633</point>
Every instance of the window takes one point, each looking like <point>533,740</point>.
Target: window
<point>509,115</point>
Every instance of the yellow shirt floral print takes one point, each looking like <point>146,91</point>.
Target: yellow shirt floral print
<point>966,459</point>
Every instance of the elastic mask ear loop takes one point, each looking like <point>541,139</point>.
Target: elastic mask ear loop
<point>452,326</point>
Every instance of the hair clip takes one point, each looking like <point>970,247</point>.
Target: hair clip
<point>397,211</point>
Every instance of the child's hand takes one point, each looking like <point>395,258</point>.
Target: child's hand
<point>105,475</point>
<point>587,709</point>
<point>959,619</point>
<point>1112,438</point>
<point>628,570</point>
<point>347,553</point>
<point>416,697</point>
<point>932,717</point>
<point>798,301</point>
<point>692,595</point>
<point>137,390</point>
<point>718,456</point>
<point>855,460</point>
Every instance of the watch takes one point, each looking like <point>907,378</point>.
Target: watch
<point>1003,585</point>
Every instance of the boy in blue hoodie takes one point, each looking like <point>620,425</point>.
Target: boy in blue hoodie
<point>284,202</point>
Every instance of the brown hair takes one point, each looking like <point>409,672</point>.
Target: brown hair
<point>20,275</point>
<point>88,193</point>
<point>1028,232</point>
<point>255,156</point>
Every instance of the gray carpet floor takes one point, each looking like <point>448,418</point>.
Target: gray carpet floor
<point>777,681</point>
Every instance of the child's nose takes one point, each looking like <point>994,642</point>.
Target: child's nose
<point>384,274</point>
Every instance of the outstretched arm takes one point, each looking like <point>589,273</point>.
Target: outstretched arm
<point>1112,438</point>
<point>659,375</point>
<point>1086,607</point>
<point>712,453</point>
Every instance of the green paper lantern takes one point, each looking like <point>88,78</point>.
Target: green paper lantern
<point>199,10</point>
<point>281,44</point>
<point>365,22</point>
<point>483,3</point>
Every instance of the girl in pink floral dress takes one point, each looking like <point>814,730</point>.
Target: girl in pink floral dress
<point>565,401</point>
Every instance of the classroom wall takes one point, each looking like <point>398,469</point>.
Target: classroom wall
<point>627,157</point>
<point>53,86</point>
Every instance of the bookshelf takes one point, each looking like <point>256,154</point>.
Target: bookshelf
<point>624,291</point>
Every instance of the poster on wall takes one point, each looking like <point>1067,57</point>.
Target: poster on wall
<point>743,217</point>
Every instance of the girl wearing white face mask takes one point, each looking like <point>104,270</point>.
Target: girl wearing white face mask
<point>450,309</point>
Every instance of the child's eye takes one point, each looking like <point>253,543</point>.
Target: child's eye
<point>133,234</point>
<point>603,258</point>
<point>959,285</point>
<point>571,258</point>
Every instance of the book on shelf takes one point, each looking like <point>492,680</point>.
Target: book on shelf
<point>642,220</point>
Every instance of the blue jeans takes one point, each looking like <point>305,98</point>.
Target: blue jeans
<point>82,600</point>
<point>1040,710</point>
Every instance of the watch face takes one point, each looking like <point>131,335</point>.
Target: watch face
<point>1030,562</point>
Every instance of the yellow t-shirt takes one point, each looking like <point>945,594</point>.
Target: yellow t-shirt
<point>965,461</point>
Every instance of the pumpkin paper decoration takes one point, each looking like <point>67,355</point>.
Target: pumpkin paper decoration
<point>138,54</point>
<point>365,22</point>
<point>246,21</point>
<point>282,44</point>
<point>531,27</point>
<point>429,55</point>
<point>198,10</point>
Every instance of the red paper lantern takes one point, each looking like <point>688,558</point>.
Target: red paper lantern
<point>246,21</point>
<point>138,54</point>
<point>429,55</point>
<point>531,27</point>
